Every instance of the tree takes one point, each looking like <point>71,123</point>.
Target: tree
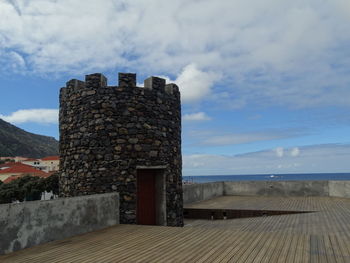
<point>51,184</point>
<point>25,188</point>
<point>8,193</point>
<point>28,188</point>
<point>33,189</point>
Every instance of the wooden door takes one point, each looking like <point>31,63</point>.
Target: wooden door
<point>146,197</point>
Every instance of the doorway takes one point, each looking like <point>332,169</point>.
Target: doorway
<point>151,203</point>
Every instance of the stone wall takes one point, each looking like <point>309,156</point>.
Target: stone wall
<point>108,132</point>
<point>27,224</point>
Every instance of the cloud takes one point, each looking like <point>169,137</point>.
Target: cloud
<point>315,159</point>
<point>195,84</point>
<point>12,61</point>
<point>279,151</point>
<point>237,138</point>
<point>289,53</point>
<point>199,116</point>
<point>294,152</point>
<point>217,138</point>
<point>41,116</point>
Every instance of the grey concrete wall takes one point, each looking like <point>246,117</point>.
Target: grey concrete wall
<point>339,189</point>
<point>30,223</point>
<point>200,192</point>
<point>277,188</point>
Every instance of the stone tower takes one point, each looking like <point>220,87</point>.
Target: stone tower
<point>126,139</point>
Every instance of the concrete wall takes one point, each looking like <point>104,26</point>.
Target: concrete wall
<point>30,223</point>
<point>277,188</point>
<point>199,192</point>
<point>339,188</point>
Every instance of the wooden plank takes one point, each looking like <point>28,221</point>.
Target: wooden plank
<point>319,237</point>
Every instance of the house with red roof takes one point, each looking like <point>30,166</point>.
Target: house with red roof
<point>34,162</point>
<point>7,165</point>
<point>37,167</point>
<point>11,178</point>
<point>19,169</point>
<point>20,158</point>
<point>47,164</point>
<point>52,163</point>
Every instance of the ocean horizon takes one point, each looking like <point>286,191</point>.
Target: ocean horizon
<point>268,177</point>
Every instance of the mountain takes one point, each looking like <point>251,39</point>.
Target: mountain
<point>17,142</point>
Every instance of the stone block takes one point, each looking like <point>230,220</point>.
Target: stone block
<point>127,80</point>
<point>155,83</point>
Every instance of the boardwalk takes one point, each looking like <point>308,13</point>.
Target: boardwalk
<point>322,236</point>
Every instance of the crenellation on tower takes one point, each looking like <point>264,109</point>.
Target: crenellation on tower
<point>154,83</point>
<point>96,80</point>
<point>171,88</point>
<point>75,84</point>
<point>127,80</point>
<point>112,137</point>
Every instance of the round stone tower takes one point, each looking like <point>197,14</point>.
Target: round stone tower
<point>125,139</point>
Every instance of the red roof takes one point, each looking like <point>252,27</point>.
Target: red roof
<point>51,158</point>
<point>11,178</point>
<point>7,164</point>
<point>23,169</point>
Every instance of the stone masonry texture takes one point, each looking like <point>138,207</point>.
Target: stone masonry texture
<point>106,132</point>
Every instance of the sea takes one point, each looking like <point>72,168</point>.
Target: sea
<point>267,177</point>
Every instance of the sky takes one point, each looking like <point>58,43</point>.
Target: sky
<point>265,85</point>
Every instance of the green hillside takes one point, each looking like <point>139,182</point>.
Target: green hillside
<point>17,142</point>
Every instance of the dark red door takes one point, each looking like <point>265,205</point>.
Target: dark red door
<point>146,197</point>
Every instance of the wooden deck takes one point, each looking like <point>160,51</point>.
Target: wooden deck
<point>322,236</point>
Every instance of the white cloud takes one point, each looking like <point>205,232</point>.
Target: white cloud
<point>199,116</point>
<point>294,152</point>
<point>195,84</point>
<point>279,151</point>
<point>217,138</point>
<point>291,53</point>
<point>315,159</point>
<point>41,116</point>
<point>17,59</point>
<point>237,138</point>
<point>12,61</point>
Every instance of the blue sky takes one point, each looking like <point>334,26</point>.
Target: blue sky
<point>265,84</point>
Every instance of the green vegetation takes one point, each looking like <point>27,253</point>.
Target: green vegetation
<point>27,188</point>
<point>17,142</point>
